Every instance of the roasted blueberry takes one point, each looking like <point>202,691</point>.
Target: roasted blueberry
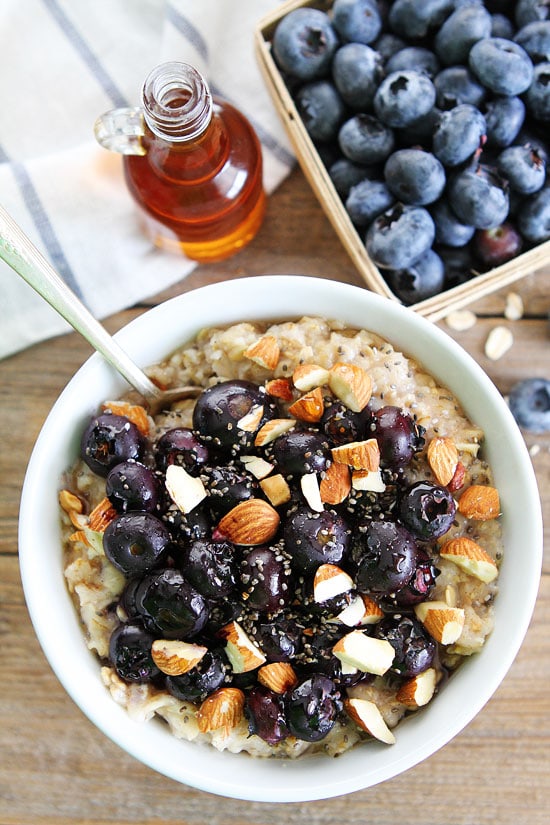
<point>265,712</point>
<point>397,435</point>
<point>135,542</point>
<point>385,554</point>
<point>280,639</point>
<point>108,440</point>
<point>479,197</point>
<point>403,97</point>
<point>304,43</point>
<point>301,452</point>
<point>211,567</point>
<point>464,27</point>
<point>312,708</point>
<point>530,404</point>
<point>341,425</point>
<point>357,71</point>
<point>321,109</point>
<point>458,134</point>
<point>227,486</point>
<point>182,447</point>
<point>365,139</point>
<point>132,486</point>
<point>414,648</point>
<point>356,20</point>
<point>315,538</point>
<point>419,281</point>
<point>400,236</point>
<point>427,510</point>
<point>266,580</point>
<point>130,653</point>
<point>414,176</point>
<point>501,65</point>
<point>168,604</point>
<point>219,409</point>
<point>203,679</point>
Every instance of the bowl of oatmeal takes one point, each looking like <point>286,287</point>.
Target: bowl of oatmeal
<point>321,555</point>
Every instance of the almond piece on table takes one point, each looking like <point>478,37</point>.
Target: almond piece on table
<point>174,657</point>
<point>102,515</point>
<point>418,691</point>
<point>360,455</point>
<point>480,502</point>
<point>264,352</point>
<point>133,412</point>
<point>185,490</point>
<point>280,388</point>
<point>443,459</point>
<point>223,709</point>
<point>330,581</point>
<point>309,485</point>
<point>335,484</point>
<point>470,557</point>
<point>364,652</point>
<point>241,651</point>
<point>272,430</point>
<point>252,522</point>
<point>278,677</point>
<point>309,407</point>
<point>351,384</point>
<point>442,622</point>
<point>367,716</point>
<point>308,376</point>
<point>276,489</point>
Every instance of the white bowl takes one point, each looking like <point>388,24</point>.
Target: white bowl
<point>149,339</point>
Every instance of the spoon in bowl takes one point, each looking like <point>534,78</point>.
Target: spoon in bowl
<point>18,251</point>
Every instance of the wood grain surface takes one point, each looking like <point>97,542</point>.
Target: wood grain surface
<point>57,768</point>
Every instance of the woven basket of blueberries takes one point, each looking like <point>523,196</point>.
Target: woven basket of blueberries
<point>423,127</point>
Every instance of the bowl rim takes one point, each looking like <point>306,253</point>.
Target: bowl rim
<point>59,633</point>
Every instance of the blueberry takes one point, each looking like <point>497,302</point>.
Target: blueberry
<point>537,97</point>
<point>265,580</point>
<point>457,85</point>
<point>321,109</point>
<point>404,97</point>
<point>414,176</point>
<point>501,65</point>
<point>419,281</point>
<point>479,198</point>
<point>202,680</point>
<point>400,236</point>
<point>414,57</point>
<point>130,653</point>
<point>132,486</point>
<point>136,542</point>
<point>535,39</point>
<point>181,446</point>
<point>498,245</point>
<point>449,230</point>
<point>419,132</point>
<point>530,404</point>
<point>528,11</point>
<point>414,19</point>
<point>227,486</point>
<point>341,425</point>
<point>108,440</point>
<point>523,167</point>
<point>304,43</point>
<point>356,20</point>
<point>345,174</point>
<point>388,44</point>
<point>504,118</point>
<point>312,708</point>
<point>426,509</point>
<point>414,648</point>
<point>459,264</point>
<point>280,639</point>
<point>301,452</point>
<point>265,713</point>
<point>458,134</point>
<point>464,27</point>
<point>502,26</point>
<point>211,567</point>
<point>367,200</point>
<point>168,604</point>
<point>534,217</point>
<point>315,538</point>
<point>357,71</point>
<point>385,557</point>
<point>397,435</point>
<point>365,139</point>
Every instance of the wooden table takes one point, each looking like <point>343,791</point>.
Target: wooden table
<point>55,767</point>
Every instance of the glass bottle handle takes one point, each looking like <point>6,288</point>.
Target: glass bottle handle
<point>121,130</point>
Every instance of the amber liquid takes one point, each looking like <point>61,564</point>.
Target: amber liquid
<point>204,198</point>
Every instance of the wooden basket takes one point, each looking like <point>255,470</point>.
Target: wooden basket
<point>439,305</point>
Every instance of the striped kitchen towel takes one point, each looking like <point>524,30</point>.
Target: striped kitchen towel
<point>64,62</point>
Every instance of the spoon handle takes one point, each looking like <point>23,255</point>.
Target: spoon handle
<point>18,251</point>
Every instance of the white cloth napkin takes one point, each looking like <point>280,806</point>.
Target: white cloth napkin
<point>64,62</point>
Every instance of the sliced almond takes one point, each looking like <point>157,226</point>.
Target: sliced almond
<point>186,491</point>
<point>367,716</point>
<point>417,692</point>
<point>308,376</point>
<point>264,352</point>
<point>335,485</point>
<point>252,522</point>
<point>351,384</point>
<point>442,622</point>
<point>470,557</point>
<point>251,421</point>
<point>364,652</point>
<point>498,342</point>
<point>360,455</point>
<point>272,430</point>
<point>102,515</point>
<point>443,459</point>
<point>457,480</point>
<point>309,407</point>
<point>368,480</point>
<point>278,676</point>
<point>280,388</point>
<point>276,489</point>
<point>309,485</point>
<point>174,657</point>
<point>242,652</point>
<point>133,412</point>
<point>330,581</point>
<point>223,709</point>
<point>480,502</point>
<point>257,466</point>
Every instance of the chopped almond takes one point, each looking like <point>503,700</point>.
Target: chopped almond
<point>133,412</point>
<point>102,515</point>
<point>309,407</point>
<point>280,388</point>
<point>335,484</point>
<point>360,455</point>
<point>480,502</point>
<point>264,352</point>
<point>308,376</point>
<point>351,384</point>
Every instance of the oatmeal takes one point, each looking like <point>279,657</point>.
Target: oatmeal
<point>295,560</point>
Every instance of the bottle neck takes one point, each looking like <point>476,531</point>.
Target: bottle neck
<point>177,104</point>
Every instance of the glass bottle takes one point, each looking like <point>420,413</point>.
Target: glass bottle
<point>192,163</point>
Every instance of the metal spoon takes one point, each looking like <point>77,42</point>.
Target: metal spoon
<point>18,251</point>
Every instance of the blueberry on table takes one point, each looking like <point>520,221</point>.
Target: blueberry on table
<point>534,217</point>
<point>168,604</point>
<point>457,85</point>
<point>404,97</point>
<point>265,712</point>
<point>529,402</point>
<point>135,542</point>
<point>356,20</point>
<point>321,109</point>
<point>181,446</point>
<point>464,27</point>
<point>479,197</point>
<point>426,509</point>
<point>385,555</point>
<point>504,117</point>
<point>314,538</point>
<point>449,230</point>
<point>357,70</point>
<point>312,708</point>
<point>304,43</point>
<point>414,176</point>
<point>419,281</point>
<point>131,485</point>
<point>414,647</point>
<point>202,680</point>
<point>364,139</point>
<point>266,580</point>
<point>458,133</point>
<point>535,39</point>
<point>537,96</point>
<point>414,57</point>
<point>400,236</point>
<point>130,653</point>
<point>211,567</point>
<point>109,439</point>
<point>523,168</point>
<point>414,20</point>
<point>501,65</point>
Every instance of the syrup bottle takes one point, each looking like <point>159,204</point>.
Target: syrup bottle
<point>192,163</point>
